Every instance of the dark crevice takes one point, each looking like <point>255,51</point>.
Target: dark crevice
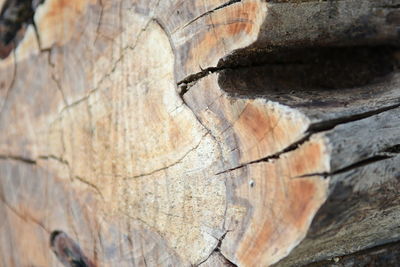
<point>395,6</point>
<point>68,251</point>
<point>277,155</point>
<point>318,76</point>
<point>330,124</point>
<point>18,158</point>
<point>217,251</point>
<point>38,38</point>
<point>308,77</point>
<point>15,16</point>
<point>392,150</point>
<point>324,126</point>
<point>188,82</point>
<point>350,167</point>
<point>197,76</point>
<point>326,76</point>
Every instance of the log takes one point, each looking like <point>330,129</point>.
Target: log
<point>205,133</point>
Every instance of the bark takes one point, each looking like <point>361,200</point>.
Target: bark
<point>206,133</point>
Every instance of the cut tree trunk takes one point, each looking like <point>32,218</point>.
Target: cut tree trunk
<point>206,133</point>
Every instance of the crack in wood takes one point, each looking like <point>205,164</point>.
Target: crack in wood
<point>226,261</point>
<point>18,158</point>
<point>89,184</point>
<point>231,2</point>
<point>394,6</point>
<point>109,73</point>
<point>380,156</point>
<point>280,70</point>
<point>218,251</point>
<point>72,177</point>
<point>322,127</point>
<point>23,217</point>
<point>330,124</point>
<point>172,164</point>
<point>277,155</point>
<point>53,157</point>
<point>14,16</point>
<point>100,21</point>
<point>59,88</point>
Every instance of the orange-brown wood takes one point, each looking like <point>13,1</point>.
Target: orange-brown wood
<point>118,138</point>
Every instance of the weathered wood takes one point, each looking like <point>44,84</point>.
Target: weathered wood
<point>210,133</point>
<point>362,210</point>
<point>386,255</point>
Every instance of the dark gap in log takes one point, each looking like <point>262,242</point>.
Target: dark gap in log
<point>384,154</point>
<point>15,16</point>
<point>310,75</point>
<point>304,76</point>
<point>222,256</point>
<point>277,155</point>
<point>360,164</point>
<point>394,6</point>
<point>350,167</point>
<point>324,126</point>
<point>67,251</point>
<point>217,251</point>
<point>185,83</point>
<point>330,124</point>
<point>393,149</point>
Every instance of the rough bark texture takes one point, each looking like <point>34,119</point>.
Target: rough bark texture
<point>206,133</point>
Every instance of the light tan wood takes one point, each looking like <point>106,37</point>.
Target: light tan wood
<point>116,130</point>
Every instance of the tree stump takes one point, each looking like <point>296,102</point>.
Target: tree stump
<point>205,133</point>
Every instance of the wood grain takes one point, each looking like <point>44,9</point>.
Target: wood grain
<point>205,133</point>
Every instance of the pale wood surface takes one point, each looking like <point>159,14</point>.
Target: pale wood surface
<point>161,133</point>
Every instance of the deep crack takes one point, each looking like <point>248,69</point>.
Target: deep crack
<point>322,127</point>
<point>15,16</point>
